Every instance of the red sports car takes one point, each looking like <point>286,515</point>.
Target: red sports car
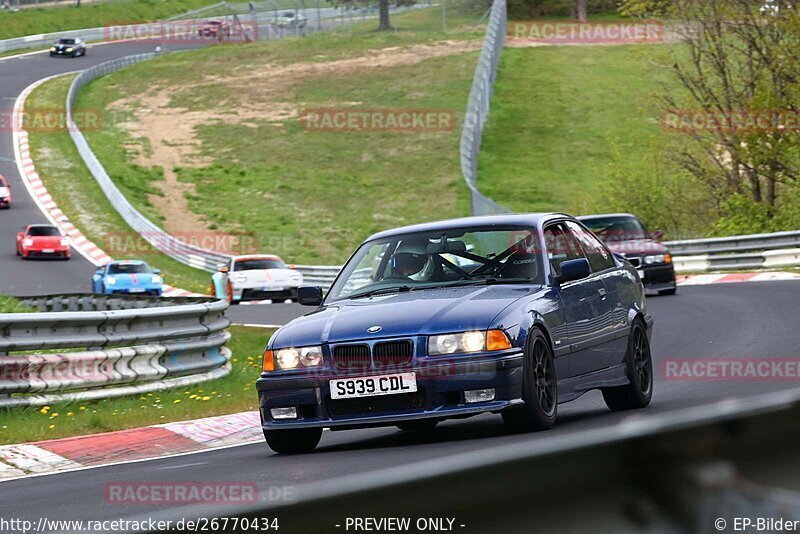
<point>5,193</point>
<point>42,241</point>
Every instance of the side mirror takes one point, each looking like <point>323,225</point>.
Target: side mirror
<point>309,295</point>
<point>657,235</point>
<point>574,270</point>
<point>223,269</point>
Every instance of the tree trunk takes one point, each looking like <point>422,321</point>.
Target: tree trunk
<point>582,16</point>
<point>383,16</point>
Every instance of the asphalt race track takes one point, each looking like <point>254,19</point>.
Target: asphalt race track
<point>726,320</point>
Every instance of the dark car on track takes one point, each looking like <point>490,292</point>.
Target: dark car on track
<point>626,236</point>
<point>68,47</point>
<point>508,314</point>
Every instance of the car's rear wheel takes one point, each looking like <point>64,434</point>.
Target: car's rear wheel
<point>539,388</point>
<point>639,365</point>
<point>419,425</point>
<point>293,441</point>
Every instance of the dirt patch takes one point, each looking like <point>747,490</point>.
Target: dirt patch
<point>262,92</point>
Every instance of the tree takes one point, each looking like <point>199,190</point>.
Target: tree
<point>739,65</point>
<point>581,8</point>
<point>384,22</point>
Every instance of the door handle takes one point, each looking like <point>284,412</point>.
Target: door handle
<point>602,292</point>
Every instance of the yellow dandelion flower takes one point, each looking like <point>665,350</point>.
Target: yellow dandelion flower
<point>51,427</point>
<point>70,414</point>
<point>176,401</point>
<point>206,398</point>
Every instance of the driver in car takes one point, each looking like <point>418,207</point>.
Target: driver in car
<point>409,259</point>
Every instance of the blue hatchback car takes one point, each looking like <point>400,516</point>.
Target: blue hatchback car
<point>508,314</point>
<point>127,276</point>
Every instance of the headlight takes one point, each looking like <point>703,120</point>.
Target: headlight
<point>27,242</point>
<point>240,279</point>
<point>474,341</point>
<point>292,358</point>
<point>110,281</point>
<point>657,258</point>
<point>69,50</point>
<point>52,48</point>
<point>156,279</point>
<point>64,242</point>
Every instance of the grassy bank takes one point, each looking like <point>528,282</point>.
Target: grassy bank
<point>77,194</point>
<point>244,161</point>
<point>231,394</point>
<point>33,21</point>
<point>560,117</point>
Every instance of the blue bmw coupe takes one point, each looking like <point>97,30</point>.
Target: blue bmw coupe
<point>508,314</point>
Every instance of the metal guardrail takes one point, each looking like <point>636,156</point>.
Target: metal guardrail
<point>675,471</point>
<point>755,251</point>
<point>480,97</point>
<point>143,343</point>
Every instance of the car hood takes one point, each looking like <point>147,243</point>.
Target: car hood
<point>265,277</point>
<point>637,247</point>
<point>3,191</point>
<point>137,279</point>
<point>412,313</point>
<point>47,241</point>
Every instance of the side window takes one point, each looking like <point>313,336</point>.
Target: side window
<point>561,246</point>
<point>598,256</point>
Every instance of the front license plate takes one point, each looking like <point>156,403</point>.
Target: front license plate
<point>48,251</point>
<point>136,290</point>
<point>641,273</point>
<point>370,386</point>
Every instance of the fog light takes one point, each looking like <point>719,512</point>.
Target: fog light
<point>479,395</point>
<point>288,413</point>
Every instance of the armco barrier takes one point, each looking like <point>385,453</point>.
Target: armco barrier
<point>755,251</point>
<point>139,343</point>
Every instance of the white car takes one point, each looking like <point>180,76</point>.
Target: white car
<point>256,277</point>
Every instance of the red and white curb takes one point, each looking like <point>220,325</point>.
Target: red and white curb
<point>727,278</point>
<point>136,444</point>
<point>45,202</point>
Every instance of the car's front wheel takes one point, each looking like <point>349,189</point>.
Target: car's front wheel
<point>639,366</point>
<point>539,388</point>
<point>293,441</point>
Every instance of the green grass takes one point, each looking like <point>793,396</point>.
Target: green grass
<point>564,118</point>
<point>77,194</point>
<point>11,305</point>
<point>231,394</point>
<point>33,21</point>
<point>309,196</point>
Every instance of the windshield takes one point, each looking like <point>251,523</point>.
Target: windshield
<point>616,229</point>
<point>66,41</point>
<point>129,268</point>
<point>259,264</point>
<point>452,257</point>
<point>40,231</point>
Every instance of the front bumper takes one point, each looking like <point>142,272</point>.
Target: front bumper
<point>133,291</point>
<point>40,253</point>
<point>5,202</point>
<point>264,293</point>
<point>658,277</point>
<point>440,394</point>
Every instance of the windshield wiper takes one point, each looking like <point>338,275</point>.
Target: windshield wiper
<point>380,291</point>
<point>488,281</point>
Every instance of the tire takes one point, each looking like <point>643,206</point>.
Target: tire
<point>293,441</point>
<point>668,291</point>
<point>539,388</point>
<point>639,368</point>
<point>418,425</point>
